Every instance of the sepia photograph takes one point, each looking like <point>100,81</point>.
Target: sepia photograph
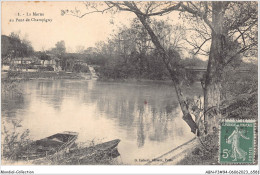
<point>129,83</point>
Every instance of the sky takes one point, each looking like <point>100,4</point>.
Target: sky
<point>43,25</point>
<point>74,31</point>
<point>86,31</point>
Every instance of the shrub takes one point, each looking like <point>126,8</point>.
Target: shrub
<point>13,140</point>
<point>47,68</point>
<point>80,68</point>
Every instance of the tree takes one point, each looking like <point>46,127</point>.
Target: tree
<point>20,47</point>
<point>59,50</point>
<point>13,46</point>
<point>130,53</point>
<point>80,49</point>
<point>44,56</point>
<point>5,48</point>
<point>232,30</point>
<point>60,47</point>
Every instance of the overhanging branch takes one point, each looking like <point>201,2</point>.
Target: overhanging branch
<point>202,45</point>
<point>239,52</point>
<point>197,13</point>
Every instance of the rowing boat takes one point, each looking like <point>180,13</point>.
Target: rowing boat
<point>88,155</point>
<point>102,147</point>
<point>48,146</point>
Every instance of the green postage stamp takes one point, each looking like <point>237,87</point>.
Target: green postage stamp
<point>237,142</point>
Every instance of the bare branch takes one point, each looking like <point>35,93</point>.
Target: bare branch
<point>148,8</point>
<point>193,5</point>
<point>77,13</point>
<point>124,7</point>
<point>239,52</point>
<point>195,45</point>
<point>155,6</point>
<point>248,28</point>
<point>202,45</point>
<point>197,13</point>
<point>167,10</point>
<point>242,35</point>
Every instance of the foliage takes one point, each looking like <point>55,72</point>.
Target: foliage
<point>43,56</point>
<point>13,140</point>
<point>130,53</point>
<point>13,46</point>
<point>239,91</point>
<point>59,51</point>
<point>59,48</point>
<point>47,68</point>
<point>5,46</point>
<point>20,76</point>
<point>10,84</point>
<point>240,80</point>
<point>80,68</point>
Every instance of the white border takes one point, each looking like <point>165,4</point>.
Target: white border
<point>97,169</point>
<point>110,169</point>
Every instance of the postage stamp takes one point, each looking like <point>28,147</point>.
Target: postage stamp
<point>237,139</point>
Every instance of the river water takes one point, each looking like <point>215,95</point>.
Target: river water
<point>145,116</point>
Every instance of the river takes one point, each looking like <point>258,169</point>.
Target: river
<point>145,116</point>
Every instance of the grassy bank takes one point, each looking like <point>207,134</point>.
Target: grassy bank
<point>200,156</point>
<point>243,107</point>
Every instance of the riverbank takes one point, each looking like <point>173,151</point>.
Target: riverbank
<point>199,156</point>
<point>189,153</point>
<point>21,75</point>
<point>175,155</point>
<point>42,75</point>
<point>135,80</point>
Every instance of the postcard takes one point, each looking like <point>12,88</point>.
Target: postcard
<point>129,83</point>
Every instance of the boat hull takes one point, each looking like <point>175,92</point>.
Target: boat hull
<point>48,146</point>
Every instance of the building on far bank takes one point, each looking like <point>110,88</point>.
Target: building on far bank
<point>32,64</point>
<point>53,62</point>
<point>25,60</point>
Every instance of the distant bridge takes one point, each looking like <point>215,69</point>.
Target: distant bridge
<point>197,73</point>
<point>203,70</point>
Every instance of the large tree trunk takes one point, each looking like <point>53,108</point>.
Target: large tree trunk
<point>212,89</point>
<point>173,73</point>
<point>184,108</point>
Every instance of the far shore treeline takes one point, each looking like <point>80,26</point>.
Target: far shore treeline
<point>127,54</point>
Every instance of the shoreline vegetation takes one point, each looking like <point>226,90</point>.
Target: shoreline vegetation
<point>13,76</point>
<point>19,75</point>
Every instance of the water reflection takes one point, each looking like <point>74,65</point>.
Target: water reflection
<point>13,103</point>
<point>140,129</point>
<point>145,116</point>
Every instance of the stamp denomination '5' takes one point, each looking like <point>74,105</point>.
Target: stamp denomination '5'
<point>237,142</point>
